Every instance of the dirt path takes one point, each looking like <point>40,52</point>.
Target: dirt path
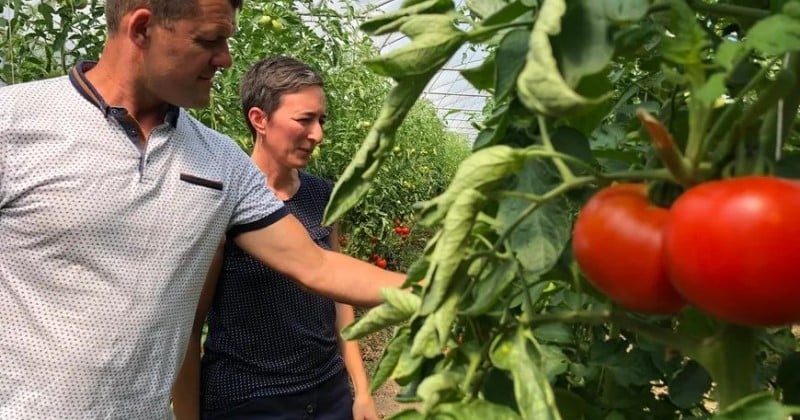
<point>385,403</point>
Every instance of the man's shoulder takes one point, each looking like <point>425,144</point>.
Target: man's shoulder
<point>33,91</point>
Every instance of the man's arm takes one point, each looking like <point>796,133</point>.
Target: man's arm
<point>186,389</point>
<point>286,246</point>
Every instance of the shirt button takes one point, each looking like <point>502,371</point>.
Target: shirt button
<point>310,409</point>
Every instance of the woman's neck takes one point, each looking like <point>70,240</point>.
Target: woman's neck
<point>283,181</point>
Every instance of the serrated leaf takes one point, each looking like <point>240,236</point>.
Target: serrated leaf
<point>541,237</point>
<point>447,255</point>
<point>405,302</point>
<point>774,35</point>
<point>391,356</point>
<point>481,77</point>
<point>491,288</point>
<point>375,319</point>
<point>482,168</point>
<point>531,388</point>
<point>510,59</point>
<point>437,386</point>
<point>540,86</point>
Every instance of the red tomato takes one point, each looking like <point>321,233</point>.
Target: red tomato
<point>381,263</point>
<point>404,230</point>
<point>374,257</point>
<point>732,248</point>
<point>617,243</point>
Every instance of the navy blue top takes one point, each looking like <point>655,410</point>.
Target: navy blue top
<point>267,336</point>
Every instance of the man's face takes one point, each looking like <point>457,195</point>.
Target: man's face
<point>181,59</point>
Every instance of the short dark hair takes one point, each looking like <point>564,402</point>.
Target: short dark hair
<point>268,80</point>
<point>164,11</point>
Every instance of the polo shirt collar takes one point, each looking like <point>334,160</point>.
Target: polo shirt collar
<point>77,76</point>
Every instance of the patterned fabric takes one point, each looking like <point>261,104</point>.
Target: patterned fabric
<point>267,335</point>
<point>104,247</point>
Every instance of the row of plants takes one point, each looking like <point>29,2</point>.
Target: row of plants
<point>668,130</point>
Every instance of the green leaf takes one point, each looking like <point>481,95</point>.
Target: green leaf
<point>405,302</point>
<point>490,288</point>
<point>481,169</point>
<point>687,388</point>
<point>449,249</point>
<point>531,388</point>
<point>508,13</point>
<point>376,319</point>
<point>355,181</point>
<point>485,8</point>
<point>761,406</point>
<point>390,358</point>
<point>586,48</point>
<point>440,386</point>
<point>788,379</point>
<point>712,89</point>
<point>541,86</point>
<point>481,77</point>
<point>408,414</point>
<point>510,58</point>
<point>434,40</point>
<point>554,333</point>
<point>541,237</point>
<point>476,409</point>
<point>426,341</point>
<point>387,22</point>
<point>689,43</point>
<point>775,35</point>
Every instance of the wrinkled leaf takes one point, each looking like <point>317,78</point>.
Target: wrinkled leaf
<point>434,40</point>
<point>436,388</point>
<point>389,359</point>
<point>541,86</point>
<point>449,249</point>
<point>384,23</point>
<point>482,168</point>
<point>376,319</point>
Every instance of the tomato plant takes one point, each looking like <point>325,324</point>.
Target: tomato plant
<point>617,242</point>
<point>732,246</point>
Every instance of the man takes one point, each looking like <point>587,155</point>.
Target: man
<point>112,202</point>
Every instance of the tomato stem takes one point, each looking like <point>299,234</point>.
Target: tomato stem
<point>730,359</point>
<point>562,167</point>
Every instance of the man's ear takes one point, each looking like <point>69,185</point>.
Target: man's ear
<point>138,26</point>
<point>258,118</point>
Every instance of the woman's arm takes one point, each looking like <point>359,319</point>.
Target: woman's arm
<point>363,404</point>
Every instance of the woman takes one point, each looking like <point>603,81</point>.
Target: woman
<point>273,349</point>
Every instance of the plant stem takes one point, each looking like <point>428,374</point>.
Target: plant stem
<point>718,9</point>
<point>730,359</point>
<point>665,146</point>
<point>563,169</point>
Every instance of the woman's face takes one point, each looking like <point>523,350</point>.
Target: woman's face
<point>294,129</point>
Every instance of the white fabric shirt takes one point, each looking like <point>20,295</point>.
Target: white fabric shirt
<point>104,248</point>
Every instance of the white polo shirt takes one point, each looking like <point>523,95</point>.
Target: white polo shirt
<point>104,248</point>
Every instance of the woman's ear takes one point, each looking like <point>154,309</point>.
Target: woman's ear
<point>258,119</point>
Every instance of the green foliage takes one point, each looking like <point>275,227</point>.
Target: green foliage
<point>506,319</point>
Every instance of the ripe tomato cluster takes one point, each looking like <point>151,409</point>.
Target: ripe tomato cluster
<point>727,247</point>
<point>401,230</point>
<point>378,260</point>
